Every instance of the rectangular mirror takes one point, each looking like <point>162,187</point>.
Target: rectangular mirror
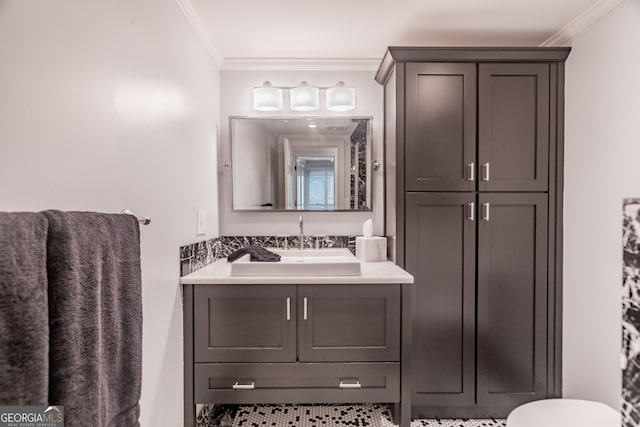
<point>302,164</point>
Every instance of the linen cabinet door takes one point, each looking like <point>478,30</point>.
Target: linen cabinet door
<point>512,298</point>
<point>440,254</point>
<point>349,323</point>
<point>440,142</point>
<point>244,323</point>
<point>513,126</point>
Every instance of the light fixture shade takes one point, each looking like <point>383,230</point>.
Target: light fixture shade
<point>304,98</point>
<point>267,98</point>
<point>341,98</point>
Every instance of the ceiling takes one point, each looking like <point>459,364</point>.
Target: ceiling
<point>362,29</point>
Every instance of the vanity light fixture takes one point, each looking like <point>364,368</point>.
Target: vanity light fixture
<point>267,98</point>
<point>341,98</point>
<point>304,98</point>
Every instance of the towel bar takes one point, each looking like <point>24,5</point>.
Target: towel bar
<point>144,220</point>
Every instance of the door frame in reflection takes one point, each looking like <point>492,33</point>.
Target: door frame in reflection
<point>296,179</point>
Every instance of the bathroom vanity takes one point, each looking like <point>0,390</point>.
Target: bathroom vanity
<point>296,338</point>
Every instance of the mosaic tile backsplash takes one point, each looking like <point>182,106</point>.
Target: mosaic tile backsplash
<point>631,314</point>
<point>197,255</point>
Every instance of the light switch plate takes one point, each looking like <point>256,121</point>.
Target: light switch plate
<point>201,223</point>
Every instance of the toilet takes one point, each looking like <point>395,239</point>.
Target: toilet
<point>563,413</point>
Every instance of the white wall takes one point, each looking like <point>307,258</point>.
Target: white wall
<point>110,105</point>
<point>602,165</point>
<point>236,100</point>
<point>254,146</point>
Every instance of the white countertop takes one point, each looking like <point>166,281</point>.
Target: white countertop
<point>372,273</point>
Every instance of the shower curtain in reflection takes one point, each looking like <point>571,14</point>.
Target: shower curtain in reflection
<point>631,314</point>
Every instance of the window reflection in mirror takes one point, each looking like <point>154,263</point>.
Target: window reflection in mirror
<point>316,183</point>
<point>318,164</point>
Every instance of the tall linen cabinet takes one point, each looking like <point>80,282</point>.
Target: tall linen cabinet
<point>473,158</point>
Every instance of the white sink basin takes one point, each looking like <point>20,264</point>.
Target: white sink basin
<point>295,262</point>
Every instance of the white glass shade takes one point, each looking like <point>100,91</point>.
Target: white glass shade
<point>304,98</point>
<point>267,98</point>
<point>341,98</point>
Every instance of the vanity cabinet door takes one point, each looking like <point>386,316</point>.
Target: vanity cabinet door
<point>440,151</point>
<point>512,298</point>
<point>245,323</point>
<point>349,323</point>
<point>441,254</point>
<point>513,127</point>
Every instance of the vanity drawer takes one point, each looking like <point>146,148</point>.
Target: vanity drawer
<point>297,383</point>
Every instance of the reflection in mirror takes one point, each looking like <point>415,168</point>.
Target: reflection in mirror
<point>318,164</point>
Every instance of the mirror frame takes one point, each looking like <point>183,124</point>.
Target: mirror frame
<point>369,163</point>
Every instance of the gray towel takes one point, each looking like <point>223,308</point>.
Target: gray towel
<point>95,317</point>
<point>24,323</point>
<point>256,253</point>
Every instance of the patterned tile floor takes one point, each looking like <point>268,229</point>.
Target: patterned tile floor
<point>333,415</point>
<point>459,423</point>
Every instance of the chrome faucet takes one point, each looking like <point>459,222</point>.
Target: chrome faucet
<point>301,235</point>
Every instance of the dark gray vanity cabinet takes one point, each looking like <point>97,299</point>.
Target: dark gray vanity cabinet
<point>287,343</point>
<point>250,323</point>
<point>512,306</point>
<point>441,253</point>
<point>290,323</point>
<point>474,182</point>
<point>441,137</point>
<point>509,104</point>
<point>513,126</point>
<point>503,244</point>
<point>349,323</point>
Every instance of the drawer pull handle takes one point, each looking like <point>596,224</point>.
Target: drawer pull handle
<point>238,386</point>
<point>350,385</point>
<point>288,308</point>
<point>304,308</point>
<point>472,171</point>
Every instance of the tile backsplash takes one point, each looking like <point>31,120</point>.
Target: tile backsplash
<point>197,255</point>
<point>630,408</point>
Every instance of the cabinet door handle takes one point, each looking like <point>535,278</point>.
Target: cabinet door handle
<point>288,308</point>
<point>238,386</point>
<point>304,308</point>
<point>472,211</point>
<point>350,385</point>
<point>472,171</point>
<point>485,172</point>
<point>485,216</point>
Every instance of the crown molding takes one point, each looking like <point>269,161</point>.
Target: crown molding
<point>582,21</point>
<point>300,64</point>
<point>200,30</point>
